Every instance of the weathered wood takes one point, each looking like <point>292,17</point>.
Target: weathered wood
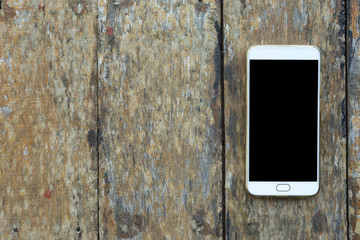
<point>353,101</point>
<point>48,85</point>
<point>159,93</point>
<point>320,23</point>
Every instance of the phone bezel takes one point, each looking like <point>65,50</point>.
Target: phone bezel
<point>284,52</point>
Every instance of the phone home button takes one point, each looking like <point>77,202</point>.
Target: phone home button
<point>283,187</point>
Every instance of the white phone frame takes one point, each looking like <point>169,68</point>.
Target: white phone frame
<point>285,52</point>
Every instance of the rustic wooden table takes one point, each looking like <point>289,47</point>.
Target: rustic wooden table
<point>126,119</point>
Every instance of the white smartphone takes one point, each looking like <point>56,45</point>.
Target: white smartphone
<point>283,120</point>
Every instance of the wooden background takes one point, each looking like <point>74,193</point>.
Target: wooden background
<point>125,119</point>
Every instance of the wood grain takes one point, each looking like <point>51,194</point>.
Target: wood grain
<point>48,83</point>
<point>321,23</point>
<point>160,152</point>
<point>353,101</point>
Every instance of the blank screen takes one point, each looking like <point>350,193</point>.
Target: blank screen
<point>283,120</point>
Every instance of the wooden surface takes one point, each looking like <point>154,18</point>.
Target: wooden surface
<point>159,93</point>
<point>110,119</point>
<point>353,98</point>
<point>320,23</point>
<point>48,170</point>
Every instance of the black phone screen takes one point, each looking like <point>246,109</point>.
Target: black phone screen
<point>283,120</point>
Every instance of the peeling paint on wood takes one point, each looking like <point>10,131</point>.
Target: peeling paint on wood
<point>160,172</point>
<point>353,101</point>
<point>320,23</point>
<point>48,173</point>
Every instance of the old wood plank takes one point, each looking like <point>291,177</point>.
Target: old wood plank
<point>320,23</point>
<point>159,93</point>
<point>353,100</point>
<point>48,85</point>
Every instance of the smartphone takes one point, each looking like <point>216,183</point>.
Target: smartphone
<point>283,120</point>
